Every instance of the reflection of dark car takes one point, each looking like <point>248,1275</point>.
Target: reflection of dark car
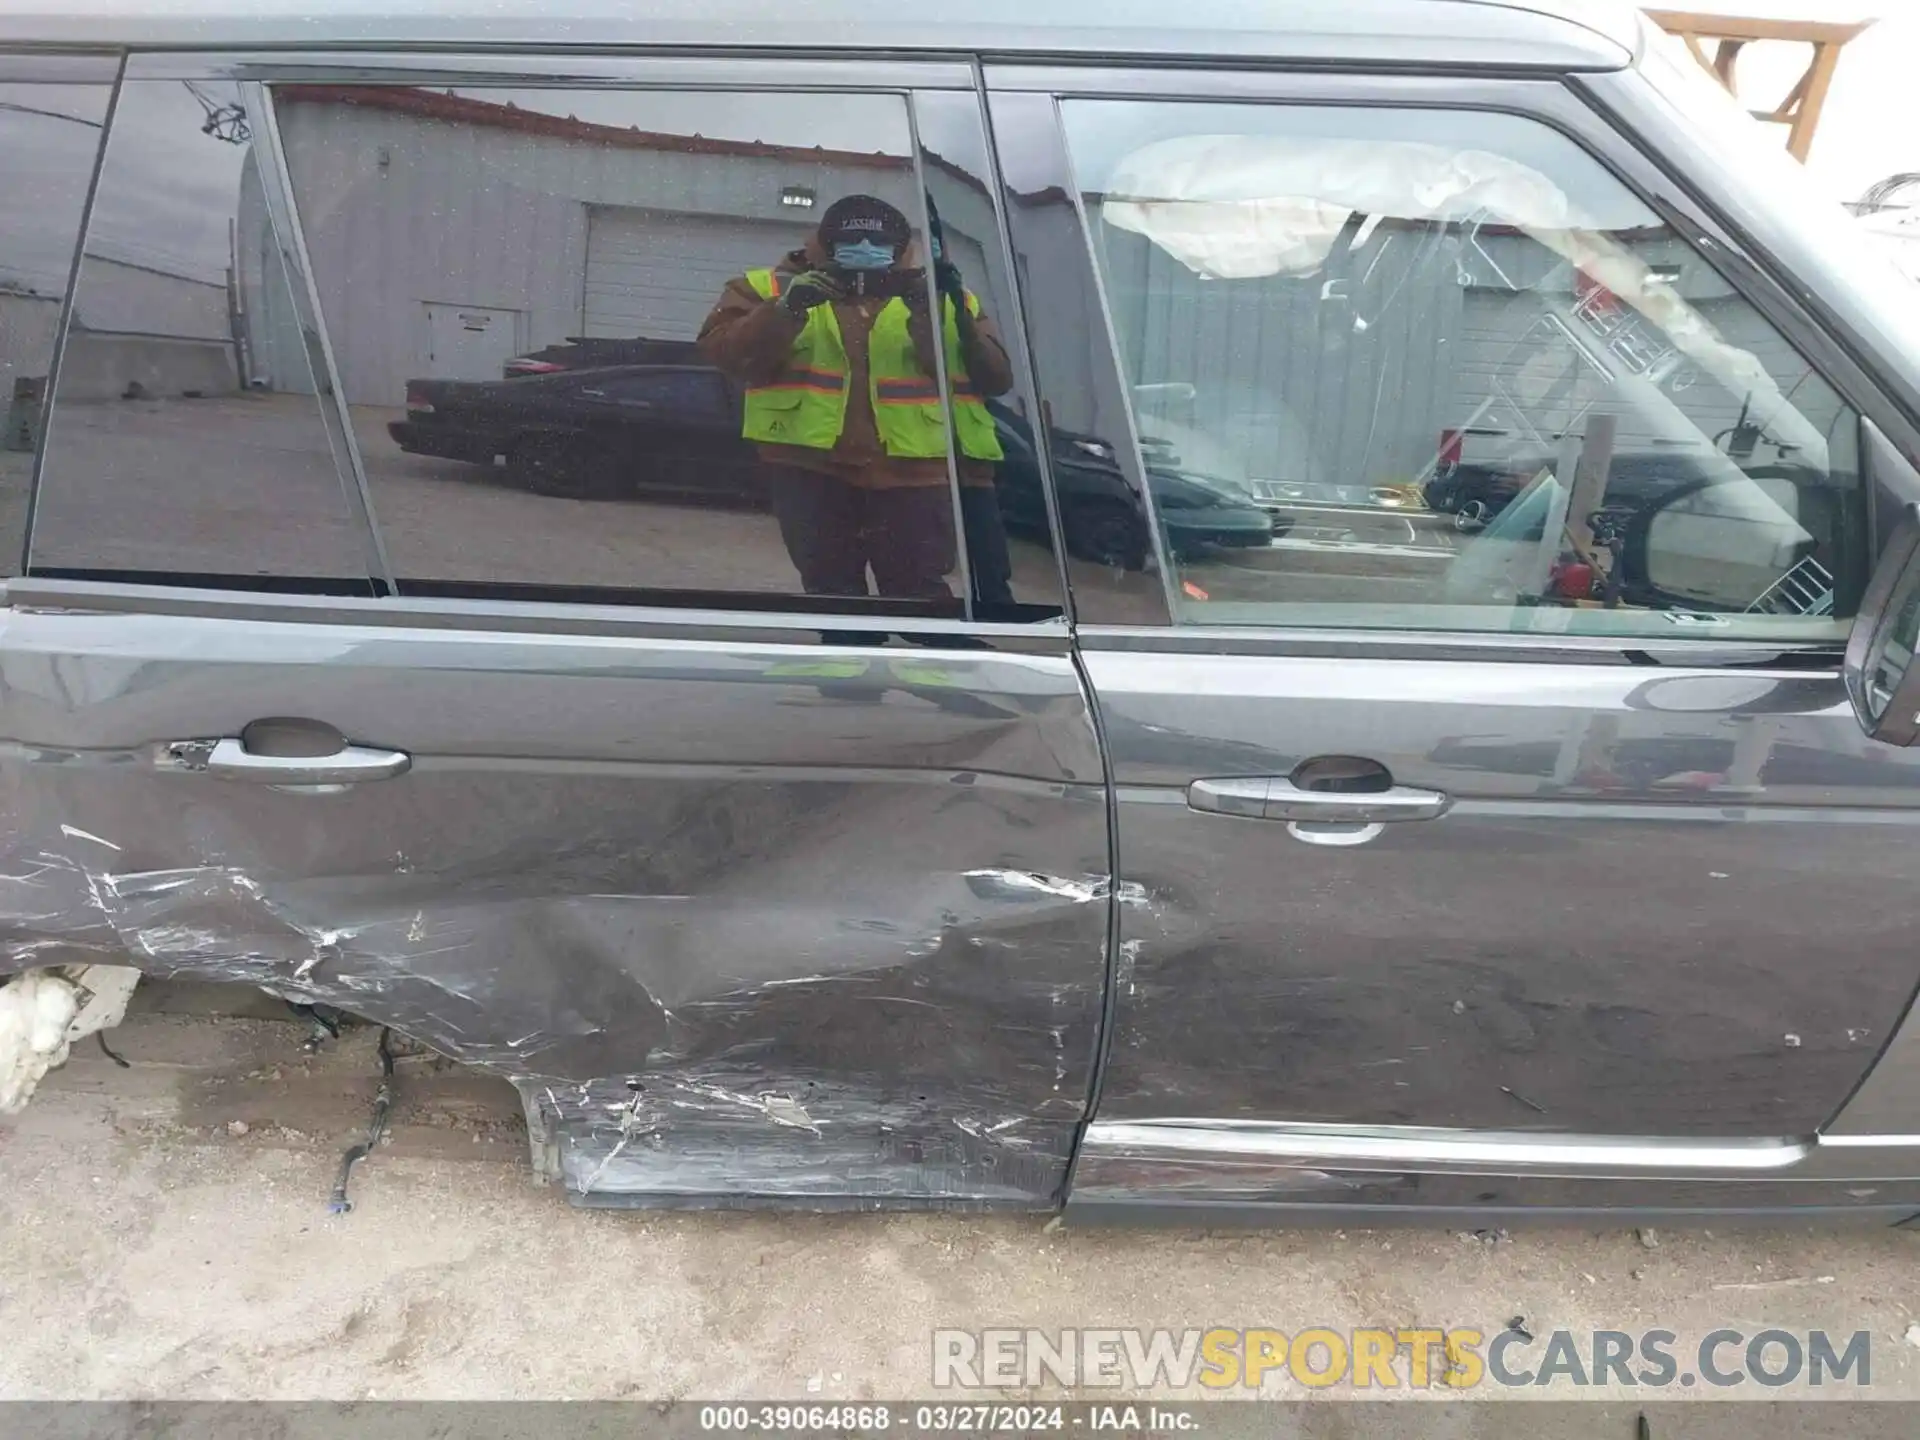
<point>1097,511</point>
<point>674,430</point>
<point>1476,492</point>
<point>583,352</point>
<point>670,430</point>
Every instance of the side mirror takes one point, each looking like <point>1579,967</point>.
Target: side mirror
<point>1882,680</point>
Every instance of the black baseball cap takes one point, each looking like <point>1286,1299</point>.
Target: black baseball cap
<point>857,217</point>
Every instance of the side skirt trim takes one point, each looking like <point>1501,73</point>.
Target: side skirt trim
<point>1183,1161</point>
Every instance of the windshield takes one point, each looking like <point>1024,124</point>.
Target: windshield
<point>1839,259</point>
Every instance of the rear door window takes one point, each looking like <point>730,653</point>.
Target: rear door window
<point>187,440</point>
<point>571,331</point>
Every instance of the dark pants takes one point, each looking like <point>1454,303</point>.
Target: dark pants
<point>987,554</point>
<point>836,532</point>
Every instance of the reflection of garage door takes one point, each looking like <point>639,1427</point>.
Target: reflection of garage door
<point>656,274</point>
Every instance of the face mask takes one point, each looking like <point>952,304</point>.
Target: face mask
<point>939,250</point>
<point>862,255</point>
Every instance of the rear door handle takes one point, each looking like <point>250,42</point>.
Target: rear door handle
<point>1278,798</point>
<point>230,759</point>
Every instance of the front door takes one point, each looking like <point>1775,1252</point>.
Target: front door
<point>1451,834</point>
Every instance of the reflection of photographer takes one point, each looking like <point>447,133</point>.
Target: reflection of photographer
<point>834,345</point>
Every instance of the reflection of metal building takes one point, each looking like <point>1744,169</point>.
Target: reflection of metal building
<point>448,233</point>
<point>1312,378</point>
<point>28,323</point>
<point>138,329</point>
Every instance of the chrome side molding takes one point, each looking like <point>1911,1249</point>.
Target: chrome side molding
<point>1194,1159</point>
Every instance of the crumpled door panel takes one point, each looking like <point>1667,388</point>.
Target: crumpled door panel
<point>762,941</point>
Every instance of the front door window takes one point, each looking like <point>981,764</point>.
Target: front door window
<point>1477,383</point>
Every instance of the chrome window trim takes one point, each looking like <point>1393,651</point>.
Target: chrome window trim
<point>56,68</point>
<point>283,217</point>
<point>1472,645</point>
<point>1522,33</point>
<point>395,65</point>
<point>556,618</point>
<point>61,326</point>
<point>1013,332</point>
<point>963,561</point>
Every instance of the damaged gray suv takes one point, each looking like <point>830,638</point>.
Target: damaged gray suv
<point>644,561</point>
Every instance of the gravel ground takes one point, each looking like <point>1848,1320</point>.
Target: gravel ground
<point>163,1234</point>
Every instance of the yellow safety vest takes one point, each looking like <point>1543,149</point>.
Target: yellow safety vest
<point>807,405</point>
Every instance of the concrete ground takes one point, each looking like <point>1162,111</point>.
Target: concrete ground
<point>164,1234</point>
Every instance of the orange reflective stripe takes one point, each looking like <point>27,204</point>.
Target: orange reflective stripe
<point>808,380</point>
<point>921,392</point>
<point>914,390</point>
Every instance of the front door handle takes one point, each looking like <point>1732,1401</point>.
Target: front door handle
<point>1287,801</point>
<point>230,759</point>
<point>1278,798</point>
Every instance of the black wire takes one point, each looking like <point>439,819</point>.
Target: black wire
<point>107,1050</point>
<point>337,1202</point>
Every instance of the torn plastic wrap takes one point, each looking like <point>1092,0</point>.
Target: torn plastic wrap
<point>826,980</point>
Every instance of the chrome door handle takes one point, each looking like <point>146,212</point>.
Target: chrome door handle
<point>1287,801</point>
<point>230,759</point>
<point>1278,798</point>
<point>1246,798</point>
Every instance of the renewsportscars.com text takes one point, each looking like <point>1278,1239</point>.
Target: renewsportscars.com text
<point>1413,1357</point>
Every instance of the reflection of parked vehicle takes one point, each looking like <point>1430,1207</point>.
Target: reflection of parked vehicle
<point>1097,512</point>
<point>582,352</point>
<point>581,433</point>
<point>1475,492</point>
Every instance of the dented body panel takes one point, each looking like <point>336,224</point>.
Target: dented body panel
<point>783,938</point>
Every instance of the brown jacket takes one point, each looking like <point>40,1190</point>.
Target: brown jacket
<point>750,340</point>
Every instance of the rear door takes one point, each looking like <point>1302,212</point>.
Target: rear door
<point>1540,846</point>
<point>758,896</point>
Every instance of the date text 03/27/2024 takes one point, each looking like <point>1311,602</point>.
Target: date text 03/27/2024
<point>947,1418</point>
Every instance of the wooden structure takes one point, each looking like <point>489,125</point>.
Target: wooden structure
<point>1730,34</point>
